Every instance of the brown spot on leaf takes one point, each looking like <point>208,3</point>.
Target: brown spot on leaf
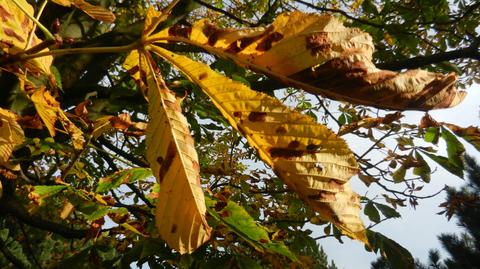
<point>267,42</point>
<point>168,160</point>
<point>180,30</point>
<point>5,15</point>
<point>12,33</point>
<point>202,76</point>
<point>263,241</point>
<point>280,130</point>
<point>242,130</point>
<point>159,160</point>
<point>313,147</point>
<point>172,106</point>
<point>237,114</point>
<point>332,184</point>
<point>285,152</point>
<point>294,144</point>
<point>257,116</point>
<point>225,214</point>
<point>323,196</point>
<point>195,166</point>
<point>133,70</point>
<point>318,43</point>
<point>220,205</point>
<point>211,32</point>
<point>174,229</point>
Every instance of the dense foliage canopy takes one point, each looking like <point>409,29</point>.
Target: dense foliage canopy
<point>208,134</point>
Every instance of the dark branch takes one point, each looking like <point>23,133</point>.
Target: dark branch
<point>9,205</point>
<point>102,141</point>
<point>226,13</point>
<point>471,52</point>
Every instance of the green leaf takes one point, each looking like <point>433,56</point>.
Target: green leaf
<point>387,211</point>
<point>399,174</point>
<point>241,223</point>
<point>122,177</point>
<point>397,256</point>
<point>371,212</point>
<point>424,170</point>
<point>45,191</point>
<point>455,149</point>
<point>432,135</point>
<point>445,163</point>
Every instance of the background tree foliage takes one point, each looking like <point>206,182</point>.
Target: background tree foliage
<point>63,206</point>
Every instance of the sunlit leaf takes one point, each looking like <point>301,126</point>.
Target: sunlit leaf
<point>323,57</point>
<point>240,222</point>
<point>49,111</point>
<point>97,12</point>
<point>307,156</point>
<point>11,134</point>
<point>15,28</point>
<point>180,212</point>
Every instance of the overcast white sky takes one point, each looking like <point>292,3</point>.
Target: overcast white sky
<point>418,229</point>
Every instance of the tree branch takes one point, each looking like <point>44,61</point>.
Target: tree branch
<point>9,205</point>
<point>471,52</point>
<point>102,141</point>
<point>226,13</point>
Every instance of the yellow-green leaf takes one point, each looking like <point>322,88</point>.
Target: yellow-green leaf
<point>307,156</point>
<point>180,212</point>
<point>97,12</point>
<point>11,134</point>
<point>318,54</point>
<point>15,28</point>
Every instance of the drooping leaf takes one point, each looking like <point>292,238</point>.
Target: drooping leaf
<point>371,212</point>
<point>445,163</point>
<point>122,177</point>
<point>455,149</point>
<point>471,134</point>
<point>423,170</point>
<point>387,211</point>
<point>49,111</point>
<point>397,256</point>
<point>237,219</point>
<point>307,156</point>
<point>180,215</point>
<point>15,28</point>
<point>11,134</point>
<point>323,57</point>
<point>97,12</point>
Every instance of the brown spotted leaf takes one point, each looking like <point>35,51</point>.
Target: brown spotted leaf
<point>181,211</point>
<point>15,28</point>
<point>318,54</point>
<point>307,156</point>
<point>49,111</point>
<point>11,134</point>
<point>97,12</point>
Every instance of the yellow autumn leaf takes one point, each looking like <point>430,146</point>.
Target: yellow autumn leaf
<point>318,54</point>
<point>307,156</point>
<point>11,134</point>
<point>180,212</point>
<point>15,28</point>
<point>49,111</point>
<point>96,12</point>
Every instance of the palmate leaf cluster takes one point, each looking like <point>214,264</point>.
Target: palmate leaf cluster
<point>139,135</point>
